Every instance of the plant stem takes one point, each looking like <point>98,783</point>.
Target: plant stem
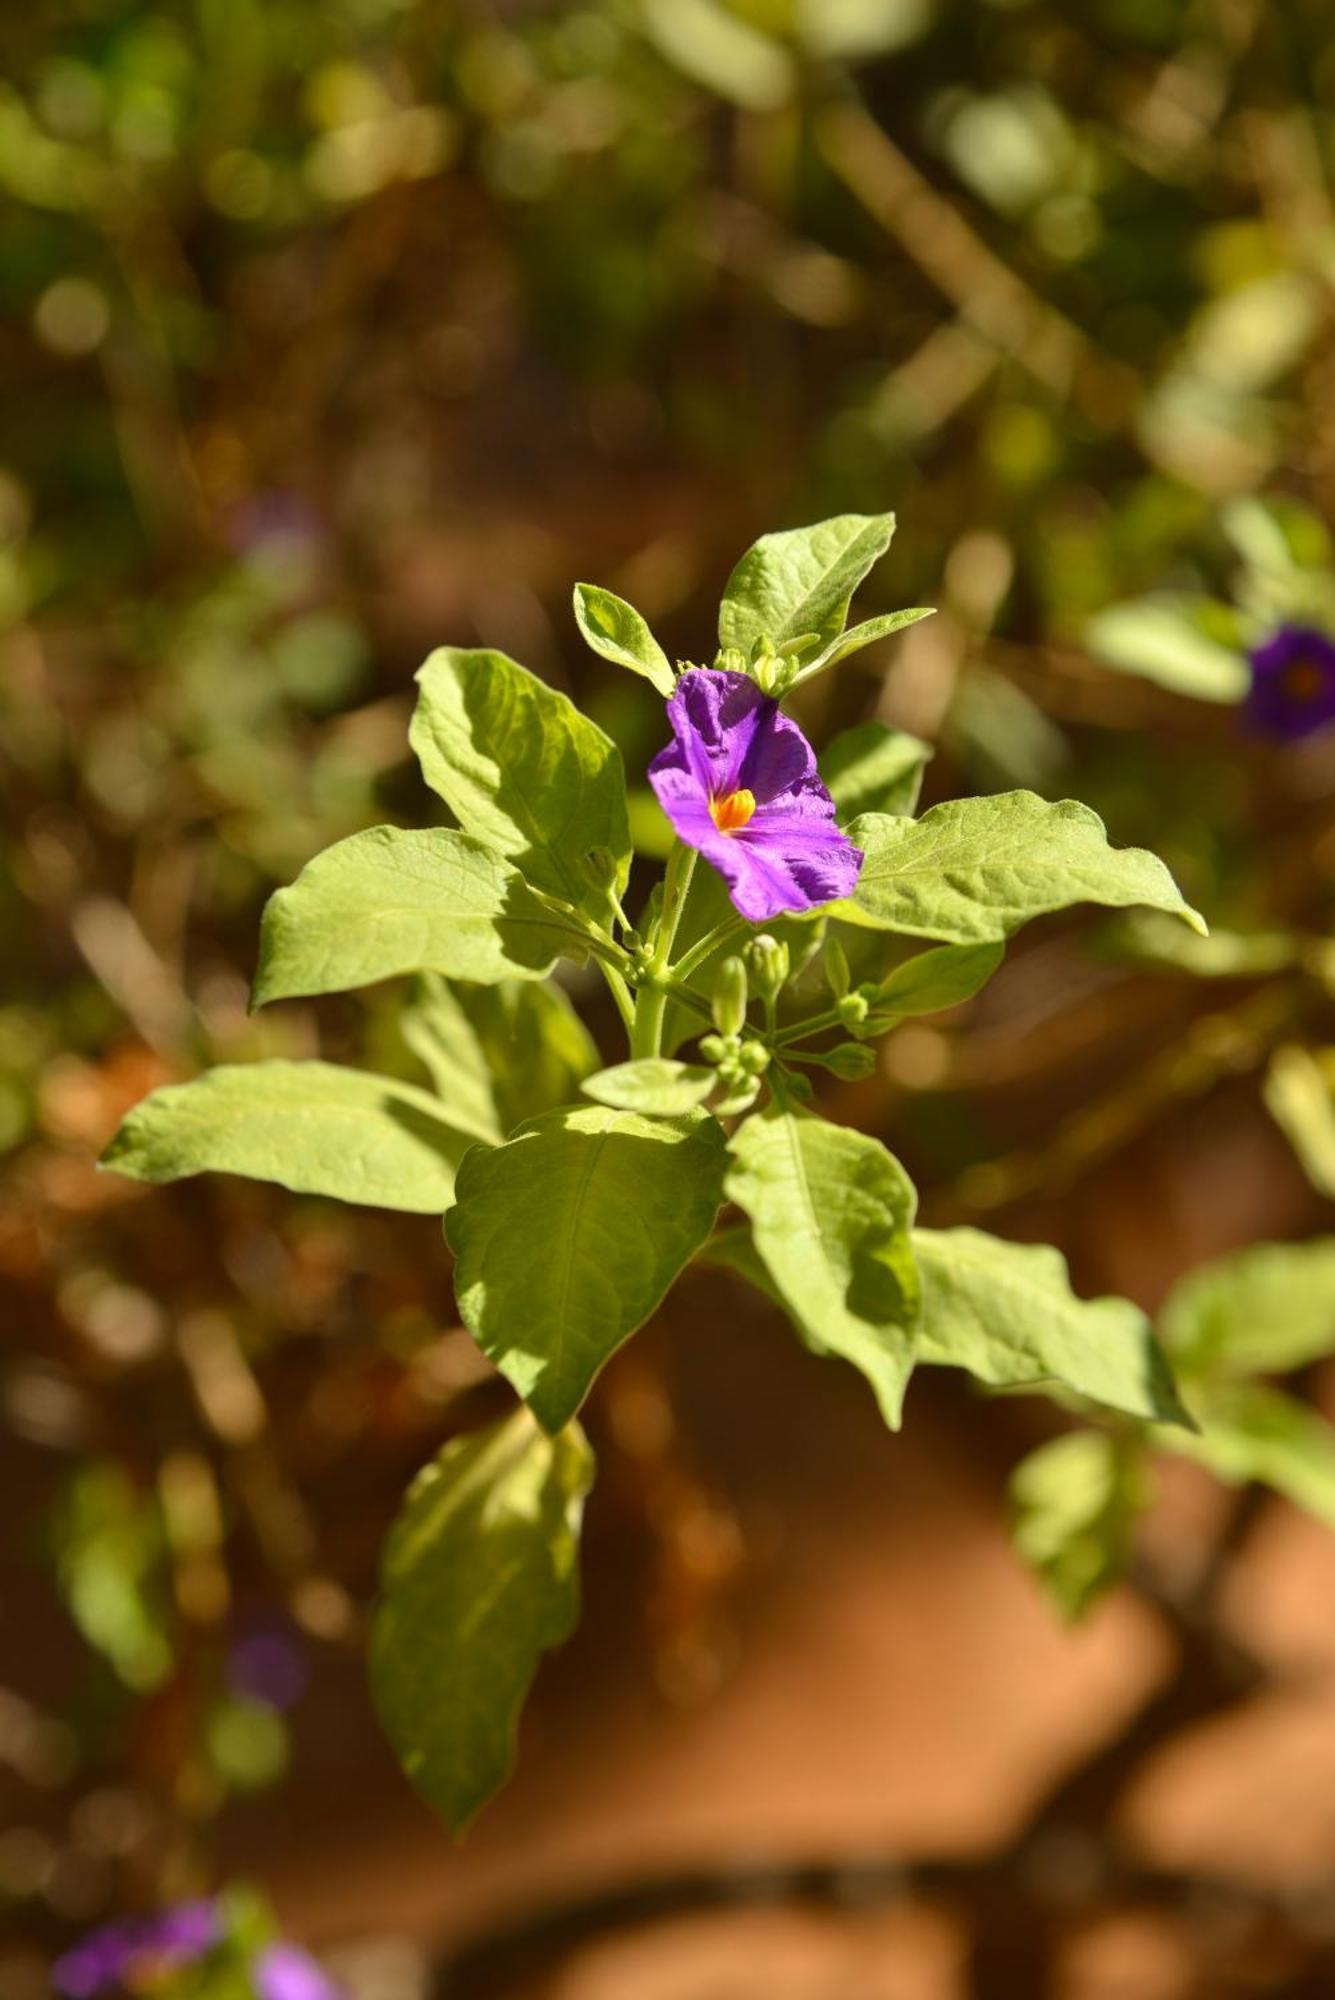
<point>691,961</point>
<point>646,1033</point>
<point>814,1025</point>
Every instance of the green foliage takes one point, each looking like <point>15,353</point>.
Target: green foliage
<point>1075,1505</point>
<point>391,901</point>
<point>874,769</point>
<point>616,630</point>
<point>1300,1096</point>
<point>972,870</point>
<point>1254,1434</point>
<point>1264,1310</point>
<point>110,1553</point>
<point>860,636</point>
<point>941,977</point>
<point>569,1235</point>
<point>797,586</point>
<point>523,770</point>
<point>1163,643</point>
<point>830,1210</point>
<point>1006,1313</point>
<point>479,1578</point>
<point>498,1054</point>
<point>655,1085</point>
<point>313,1127</point>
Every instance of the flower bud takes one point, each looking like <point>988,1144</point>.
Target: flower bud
<point>754,1058</point>
<point>851,1061</point>
<point>767,960</point>
<point>713,1048</point>
<point>852,1010</point>
<point>730,997</point>
<point>798,1087</point>
<point>729,660</point>
<point>836,967</point>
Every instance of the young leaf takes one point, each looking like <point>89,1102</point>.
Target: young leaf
<point>862,635</point>
<point>499,1054</point>
<point>441,1036</point>
<point>1075,1503</point>
<point>801,581</point>
<point>974,870</point>
<point>1006,1312</point>
<point>391,901</point>
<point>479,1578</point>
<point>568,1237</point>
<point>1300,1097</point>
<point>1265,1310</point>
<point>655,1085</point>
<point>830,1210</point>
<point>941,977</point>
<point>616,630</point>
<point>520,767</point>
<point>312,1127</point>
<point>1161,643</point>
<point>874,769</point>
<point>1252,1433</point>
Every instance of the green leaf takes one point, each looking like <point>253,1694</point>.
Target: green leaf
<point>941,977</point>
<point>1300,1097</point>
<point>1249,1433</point>
<point>975,870</point>
<point>112,1567</point>
<point>1160,643</point>
<point>479,1578</point>
<point>654,1085</point>
<point>801,581</point>
<point>862,635</point>
<point>708,43</point>
<point>391,901</point>
<point>616,630</point>
<point>520,767</point>
<point>499,1054</point>
<point>874,769</point>
<point>1075,1504</point>
<point>830,1210</point>
<point>1161,941</point>
<point>1264,1310</point>
<point>569,1236</point>
<point>313,1127</point>
<point>1006,1313</point>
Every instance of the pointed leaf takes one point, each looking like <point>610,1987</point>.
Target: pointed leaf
<point>801,581</point>
<point>1160,642</point>
<point>313,1127</point>
<point>874,769</point>
<point>569,1236</point>
<point>521,768</point>
<point>441,1036</point>
<point>655,1085</point>
<point>479,1578</point>
<point>862,635</point>
<point>392,901</point>
<point>616,630</point>
<point>941,977</point>
<point>830,1210</point>
<point>977,869</point>
<point>1006,1312</point>
<point>1076,1502</point>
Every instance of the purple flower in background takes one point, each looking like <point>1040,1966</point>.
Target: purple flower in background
<point>1293,683</point>
<point>138,1949</point>
<point>142,1952</point>
<point>739,783</point>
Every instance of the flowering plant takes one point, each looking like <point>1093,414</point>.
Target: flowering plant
<point>801,917</point>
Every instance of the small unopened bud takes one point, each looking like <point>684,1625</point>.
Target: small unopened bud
<point>767,960</point>
<point>754,1058</point>
<point>713,1048</point>
<point>730,660</point>
<point>851,1061</point>
<point>853,1010</point>
<point>730,997</point>
<point>799,1087</point>
<point>836,967</point>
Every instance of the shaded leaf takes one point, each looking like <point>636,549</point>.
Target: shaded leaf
<point>939,978</point>
<point>1252,1434</point>
<point>1075,1503</point>
<point>479,1578</point>
<point>874,769</point>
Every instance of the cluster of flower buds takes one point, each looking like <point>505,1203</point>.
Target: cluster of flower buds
<point>740,1059</point>
<point>768,963</point>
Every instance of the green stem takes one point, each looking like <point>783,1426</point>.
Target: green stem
<point>620,992</point>
<point>646,1033</point>
<point>815,1024</point>
<point>691,961</point>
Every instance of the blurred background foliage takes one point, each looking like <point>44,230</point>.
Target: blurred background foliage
<point>332,329</point>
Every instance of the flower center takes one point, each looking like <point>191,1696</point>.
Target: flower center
<point>1303,681</point>
<point>732,812</point>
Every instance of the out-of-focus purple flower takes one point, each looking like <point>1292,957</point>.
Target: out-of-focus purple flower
<point>284,1972</point>
<point>739,784</point>
<point>1293,683</point>
<point>269,1665</point>
<point>135,1950</point>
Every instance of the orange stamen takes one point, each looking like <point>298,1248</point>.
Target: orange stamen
<point>732,813</point>
<point>1302,680</point>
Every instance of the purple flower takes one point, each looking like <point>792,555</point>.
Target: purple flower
<point>739,783</point>
<point>1293,683</point>
<point>138,1948</point>
<point>283,1972</point>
